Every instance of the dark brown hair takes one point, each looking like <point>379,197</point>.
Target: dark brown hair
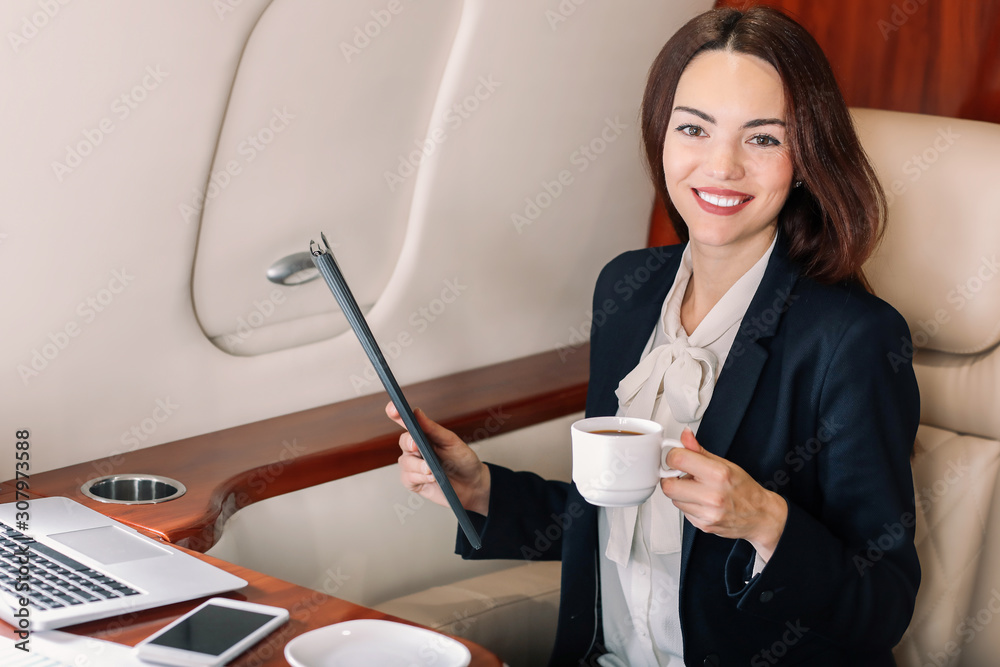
<point>835,220</point>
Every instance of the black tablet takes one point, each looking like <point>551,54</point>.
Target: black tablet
<point>326,263</point>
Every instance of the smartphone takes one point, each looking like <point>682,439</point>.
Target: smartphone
<point>211,634</point>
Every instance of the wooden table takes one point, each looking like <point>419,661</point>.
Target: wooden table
<point>309,610</point>
<point>230,469</point>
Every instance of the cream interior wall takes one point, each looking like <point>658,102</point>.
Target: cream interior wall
<point>131,247</point>
<point>101,327</point>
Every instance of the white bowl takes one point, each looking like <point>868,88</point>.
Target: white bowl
<point>368,642</point>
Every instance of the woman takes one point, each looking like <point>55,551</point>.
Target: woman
<point>759,336</point>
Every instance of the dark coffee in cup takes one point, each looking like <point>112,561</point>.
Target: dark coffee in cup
<point>614,471</point>
<point>614,431</point>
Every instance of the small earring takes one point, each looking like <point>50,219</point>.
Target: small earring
<point>798,184</point>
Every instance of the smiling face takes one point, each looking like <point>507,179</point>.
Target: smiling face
<point>727,164</point>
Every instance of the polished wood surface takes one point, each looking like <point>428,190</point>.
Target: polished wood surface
<point>661,231</point>
<point>230,469</point>
<point>923,56</point>
<point>308,610</point>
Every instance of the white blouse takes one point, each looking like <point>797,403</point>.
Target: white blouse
<point>672,384</point>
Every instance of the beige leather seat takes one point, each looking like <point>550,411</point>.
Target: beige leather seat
<point>939,265</point>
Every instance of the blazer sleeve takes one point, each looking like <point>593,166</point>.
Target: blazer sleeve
<point>528,515</point>
<point>527,518</point>
<point>852,573</point>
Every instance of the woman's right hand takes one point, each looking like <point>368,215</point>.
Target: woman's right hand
<point>469,476</point>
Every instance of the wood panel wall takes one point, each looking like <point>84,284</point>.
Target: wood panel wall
<point>938,57</point>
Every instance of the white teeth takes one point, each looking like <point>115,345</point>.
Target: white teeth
<point>725,202</point>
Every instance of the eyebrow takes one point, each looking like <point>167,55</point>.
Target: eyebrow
<point>759,122</point>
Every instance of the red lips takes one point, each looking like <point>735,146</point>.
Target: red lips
<point>721,194</point>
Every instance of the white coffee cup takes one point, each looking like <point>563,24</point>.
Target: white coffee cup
<point>619,461</point>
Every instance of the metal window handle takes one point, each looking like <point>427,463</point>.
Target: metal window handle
<point>295,269</point>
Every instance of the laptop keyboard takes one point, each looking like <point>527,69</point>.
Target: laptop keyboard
<point>55,580</point>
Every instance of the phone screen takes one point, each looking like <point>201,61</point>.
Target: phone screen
<point>212,630</point>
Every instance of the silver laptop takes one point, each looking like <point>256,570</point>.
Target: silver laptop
<point>84,566</point>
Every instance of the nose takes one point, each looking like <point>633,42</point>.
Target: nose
<point>724,162</point>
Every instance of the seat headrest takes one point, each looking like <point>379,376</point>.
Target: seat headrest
<point>939,263</point>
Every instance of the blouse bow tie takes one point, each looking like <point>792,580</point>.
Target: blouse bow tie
<point>673,385</point>
<point>683,375</point>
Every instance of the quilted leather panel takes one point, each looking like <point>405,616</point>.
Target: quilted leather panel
<point>960,393</point>
<point>935,172</point>
<point>954,481</point>
<point>512,612</point>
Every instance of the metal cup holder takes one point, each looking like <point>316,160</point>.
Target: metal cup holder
<point>133,489</point>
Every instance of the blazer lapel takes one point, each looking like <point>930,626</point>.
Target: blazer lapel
<point>631,330</point>
<point>746,358</point>
<point>639,325</point>
<point>744,363</point>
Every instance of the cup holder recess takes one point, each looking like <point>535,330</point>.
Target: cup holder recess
<point>133,489</point>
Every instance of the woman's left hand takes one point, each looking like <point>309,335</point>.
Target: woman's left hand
<point>719,497</point>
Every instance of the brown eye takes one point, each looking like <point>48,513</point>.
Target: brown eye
<point>691,130</point>
<point>764,140</point>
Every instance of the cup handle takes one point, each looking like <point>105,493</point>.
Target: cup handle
<point>666,446</point>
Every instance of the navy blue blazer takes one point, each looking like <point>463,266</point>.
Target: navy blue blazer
<point>817,401</point>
